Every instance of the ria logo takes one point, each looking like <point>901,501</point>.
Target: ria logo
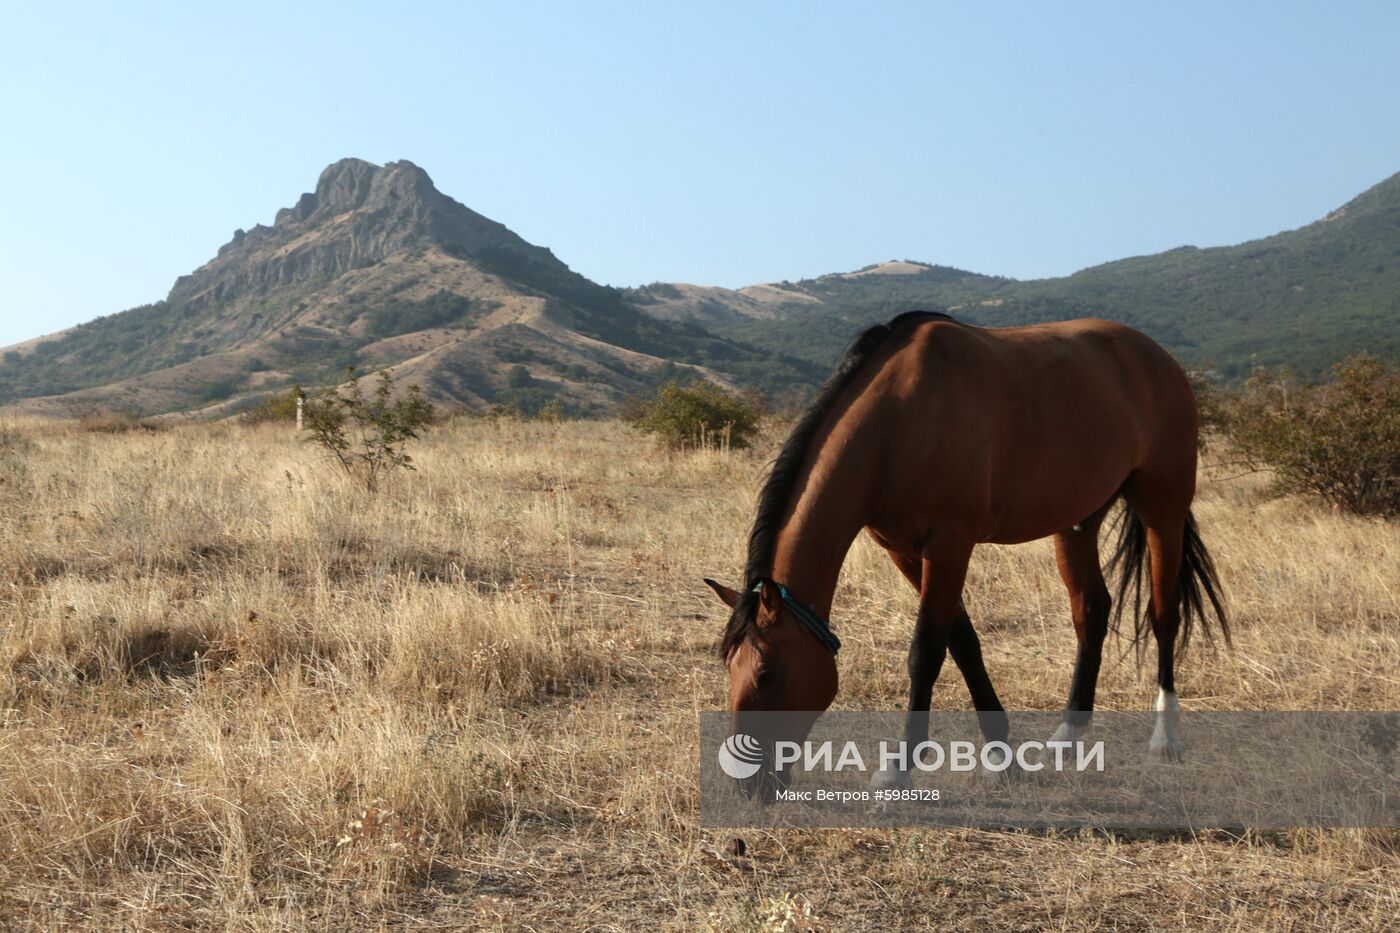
<point>740,756</point>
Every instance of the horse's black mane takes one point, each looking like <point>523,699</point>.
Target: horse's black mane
<point>777,490</point>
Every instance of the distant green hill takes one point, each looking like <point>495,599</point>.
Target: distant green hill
<point>1301,298</point>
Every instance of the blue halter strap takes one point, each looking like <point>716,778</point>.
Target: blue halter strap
<point>806,615</point>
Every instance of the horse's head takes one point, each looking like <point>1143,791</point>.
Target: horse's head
<point>778,661</point>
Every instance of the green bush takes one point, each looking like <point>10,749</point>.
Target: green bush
<point>441,309</point>
<point>367,436</point>
<point>281,406</point>
<point>699,415</point>
<point>1338,440</point>
<point>219,389</point>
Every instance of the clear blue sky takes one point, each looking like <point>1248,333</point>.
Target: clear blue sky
<point>711,143</point>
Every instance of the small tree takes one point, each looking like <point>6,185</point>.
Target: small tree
<point>698,414</point>
<point>1339,441</point>
<point>367,436</point>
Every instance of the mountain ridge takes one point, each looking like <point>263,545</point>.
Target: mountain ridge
<point>377,267</point>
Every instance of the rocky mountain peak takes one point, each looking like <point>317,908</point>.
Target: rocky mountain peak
<point>344,185</point>
<point>374,264</point>
<point>359,214</point>
<point>355,185</point>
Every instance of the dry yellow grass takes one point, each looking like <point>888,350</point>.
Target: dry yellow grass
<point>237,692</point>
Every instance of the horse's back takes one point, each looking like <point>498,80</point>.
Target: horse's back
<point>1050,413</point>
<point>1087,360</point>
<point>1085,343</point>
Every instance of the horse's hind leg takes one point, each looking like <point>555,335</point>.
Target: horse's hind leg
<point>1164,543</point>
<point>1077,556</point>
<point>1163,509</point>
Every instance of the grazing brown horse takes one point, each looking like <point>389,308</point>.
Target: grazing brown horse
<point>936,436</point>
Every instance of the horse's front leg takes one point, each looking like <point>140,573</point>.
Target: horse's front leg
<point>939,605</point>
<point>965,648</point>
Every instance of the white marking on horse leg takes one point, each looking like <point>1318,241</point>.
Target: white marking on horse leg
<point>1066,731</point>
<point>1069,732</point>
<point>1165,743</point>
<point>891,776</point>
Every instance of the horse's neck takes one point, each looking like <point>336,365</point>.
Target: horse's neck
<point>818,531</point>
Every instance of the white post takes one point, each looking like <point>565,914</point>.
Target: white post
<point>299,401</point>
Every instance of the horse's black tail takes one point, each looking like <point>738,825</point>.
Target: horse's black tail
<point>1196,585</point>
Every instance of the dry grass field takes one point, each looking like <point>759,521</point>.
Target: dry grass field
<point>237,692</point>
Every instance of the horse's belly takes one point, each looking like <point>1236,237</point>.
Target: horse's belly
<point>1031,518</point>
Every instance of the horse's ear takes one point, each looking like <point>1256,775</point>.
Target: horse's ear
<point>770,598</point>
<point>729,596</point>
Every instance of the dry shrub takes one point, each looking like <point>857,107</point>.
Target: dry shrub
<point>368,435</point>
<point>103,420</point>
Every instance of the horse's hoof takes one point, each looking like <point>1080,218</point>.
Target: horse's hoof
<point>1068,732</point>
<point>1003,778</point>
<point>891,779</point>
<point>1166,751</point>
